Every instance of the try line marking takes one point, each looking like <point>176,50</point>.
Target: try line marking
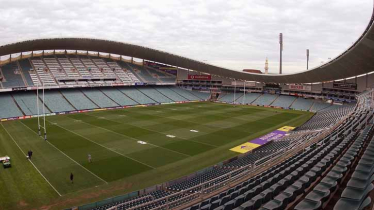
<point>30,161</point>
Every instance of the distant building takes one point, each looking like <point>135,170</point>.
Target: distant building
<point>266,66</point>
<point>254,71</point>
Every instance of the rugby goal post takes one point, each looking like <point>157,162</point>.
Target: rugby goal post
<point>43,110</point>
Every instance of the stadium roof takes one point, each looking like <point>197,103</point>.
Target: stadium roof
<point>357,60</point>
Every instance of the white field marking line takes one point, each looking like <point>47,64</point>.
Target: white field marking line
<point>160,133</point>
<point>66,155</point>
<point>192,116</point>
<point>31,161</point>
<point>197,115</point>
<point>131,137</point>
<point>103,146</point>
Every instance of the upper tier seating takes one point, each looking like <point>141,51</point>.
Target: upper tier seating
<point>170,94</point>
<point>27,102</point>
<point>186,94</point>
<point>121,74</point>
<point>155,95</point>
<point>8,108</point>
<point>79,66</point>
<point>56,102</point>
<point>265,100</point>
<point>103,66</point>
<point>26,68</point>
<point>99,98</point>
<point>136,95</point>
<point>118,97</point>
<point>62,70</point>
<point>141,72</point>
<point>54,67</point>
<point>68,67</point>
<point>163,77</point>
<point>42,71</point>
<point>78,99</point>
<point>92,68</point>
<point>12,75</point>
<point>284,101</point>
<point>302,104</point>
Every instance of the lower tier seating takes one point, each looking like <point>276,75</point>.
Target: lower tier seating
<point>78,99</point>
<point>27,102</point>
<point>8,108</point>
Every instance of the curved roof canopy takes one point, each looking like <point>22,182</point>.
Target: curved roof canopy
<point>357,60</point>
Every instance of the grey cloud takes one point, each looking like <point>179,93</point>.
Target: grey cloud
<point>235,34</point>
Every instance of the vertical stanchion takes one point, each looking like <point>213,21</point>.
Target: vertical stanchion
<point>234,92</point>
<point>45,128</point>
<point>167,203</point>
<point>230,176</point>
<point>244,94</point>
<point>37,106</point>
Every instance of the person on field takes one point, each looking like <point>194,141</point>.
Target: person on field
<point>29,153</point>
<point>72,178</point>
<point>89,158</point>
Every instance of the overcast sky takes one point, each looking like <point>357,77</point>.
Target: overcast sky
<point>236,34</point>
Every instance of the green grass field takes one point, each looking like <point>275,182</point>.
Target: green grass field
<point>120,163</point>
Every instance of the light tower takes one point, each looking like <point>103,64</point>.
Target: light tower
<point>307,59</point>
<point>266,66</point>
<point>281,50</point>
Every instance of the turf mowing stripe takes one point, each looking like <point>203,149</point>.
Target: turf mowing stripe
<point>132,137</point>
<point>66,154</point>
<point>31,161</point>
<point>103,146</point>
<point>157,131</point>
<point>222,112</point>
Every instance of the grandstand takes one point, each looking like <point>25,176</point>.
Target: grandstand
<point>169,132</point>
